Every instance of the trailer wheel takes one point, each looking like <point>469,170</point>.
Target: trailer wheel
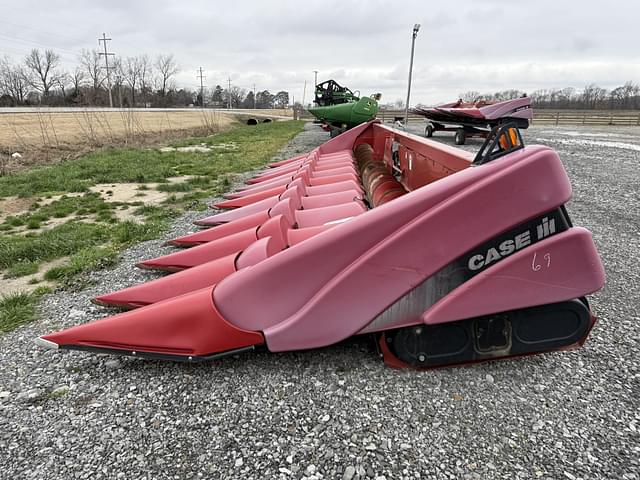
<point>428,132</point>
<point>460,137</point>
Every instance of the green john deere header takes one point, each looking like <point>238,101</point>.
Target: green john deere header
<point>339,109</point>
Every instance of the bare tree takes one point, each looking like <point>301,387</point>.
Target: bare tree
<point>629,92</point>
<point>117,77</point>
<point>5,68</point>
<point>146,76</point>
<point>470,96</point>
<point>167,69</point>
<point>474,96</point>
<point>61,81</point>
<point>90,61</point>
<point>635,95</point>
<point>590,97</point>
<point>78,79</point>
<point>13,81</point>
<point>131,68</point>
<point>566,96</point>
<point>237,96</point>
<point>43,67</point>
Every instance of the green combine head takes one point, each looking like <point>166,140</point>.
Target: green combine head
<point>339,109</point>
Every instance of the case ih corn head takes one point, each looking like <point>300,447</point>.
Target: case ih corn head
<point>339,109</point>
<point>444,258</point>
<point>475,119</point>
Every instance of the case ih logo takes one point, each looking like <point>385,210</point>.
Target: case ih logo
<point>506,247</point>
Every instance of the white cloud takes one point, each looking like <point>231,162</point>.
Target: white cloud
<point>484,46</point>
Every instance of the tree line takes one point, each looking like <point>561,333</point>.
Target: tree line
<point>591,97</point>
<point>138,81</point>
<point>237,97</point>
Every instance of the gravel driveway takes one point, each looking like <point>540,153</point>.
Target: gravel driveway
<point>339,412</point>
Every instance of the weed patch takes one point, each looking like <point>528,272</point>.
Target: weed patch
<point>90,258</point>
<point>60,241</point>
<point>18,309</point>
<point>21,269</point>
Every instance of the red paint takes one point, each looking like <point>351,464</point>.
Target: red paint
<point>185,325</point>
<point>202,253</point>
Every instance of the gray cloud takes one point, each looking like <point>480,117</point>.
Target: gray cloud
<point>489,45</point>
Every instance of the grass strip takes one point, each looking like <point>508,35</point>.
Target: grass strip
<point>254,145</point>
<point>18,309</point>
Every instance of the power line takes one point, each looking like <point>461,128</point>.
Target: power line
<point>106,54</point>
<point>28,42</point>
<point>229,92</point>
<point>24,48</point>
<point>11,50</point>
<point>49,33</point>
<point>40,30</point>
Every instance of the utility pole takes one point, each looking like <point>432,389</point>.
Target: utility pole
<point>106,54</point>
<point>416,27</point>
<point>201,77</point>
<point>254,96</point>
<point>304,92</point>
<point>229,92</point>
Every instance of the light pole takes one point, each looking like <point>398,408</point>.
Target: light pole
<point>315,83</point>
<point>416,27</point>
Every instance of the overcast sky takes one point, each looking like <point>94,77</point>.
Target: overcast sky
<point>463,45</point>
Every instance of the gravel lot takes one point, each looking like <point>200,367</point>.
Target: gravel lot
<point>339,412</point>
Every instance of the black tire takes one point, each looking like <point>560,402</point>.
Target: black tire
<point>428,132</point>
<point>334,132</point>
<point>461,136</point>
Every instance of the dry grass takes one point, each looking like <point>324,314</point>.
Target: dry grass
<point>45,129</point>
<point>48,137</point>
